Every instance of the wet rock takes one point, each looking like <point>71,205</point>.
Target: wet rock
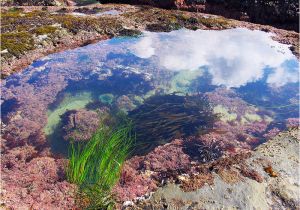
<point>253,186</point>
<point>162,27</point>
<point>124,103</point>
<point>280,13</point>
<point>79,125</point>
<point>129,32</point>
<point>34,3</point>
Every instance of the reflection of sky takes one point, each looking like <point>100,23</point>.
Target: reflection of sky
<point>233,57</point>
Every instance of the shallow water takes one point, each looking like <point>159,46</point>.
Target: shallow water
<point>112,12</point>
<point>247,76</point>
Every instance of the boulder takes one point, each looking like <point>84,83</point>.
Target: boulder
<point>79,125</point>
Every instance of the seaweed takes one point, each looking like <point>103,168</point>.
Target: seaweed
<point>101,25</point>
<point>214,22</point>
<point>164,117</point>
<point>201,151</point>
<point>95,166</point>
<point>17,43</point>
<point>45,30</point>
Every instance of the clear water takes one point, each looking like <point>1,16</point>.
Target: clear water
<point>260,72</point>
<point>112,12</point>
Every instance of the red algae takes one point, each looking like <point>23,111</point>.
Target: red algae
<point>35,184</point>
<point>169,163</point>
<point>80,124</point>
<point>293,122</point>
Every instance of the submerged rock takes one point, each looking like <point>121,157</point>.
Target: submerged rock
<point>79,125</point>
<point>124,103</point>
<point>106,98</point>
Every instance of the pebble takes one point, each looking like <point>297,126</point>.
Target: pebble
<point>127,204</point>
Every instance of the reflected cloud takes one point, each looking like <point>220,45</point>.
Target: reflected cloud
<point>233,57</point>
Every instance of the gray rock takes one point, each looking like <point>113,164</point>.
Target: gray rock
<point>280,191</point>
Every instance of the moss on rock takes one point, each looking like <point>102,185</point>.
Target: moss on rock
<point>45,30</point>
<point>17,43</point>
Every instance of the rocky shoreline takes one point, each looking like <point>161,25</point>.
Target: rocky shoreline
<point>276,186</point>
<point>71,27</point>
<point>167,177</point>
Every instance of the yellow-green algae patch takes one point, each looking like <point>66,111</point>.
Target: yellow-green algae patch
<point>225,115</point>
<point>45,30</point>
<point>250,117</point>
<point>181,82</point>
<point>17,42</point>
<point>107,98</point>
<point>78,101</point>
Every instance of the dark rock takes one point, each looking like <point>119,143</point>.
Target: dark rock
<point>283,14</point>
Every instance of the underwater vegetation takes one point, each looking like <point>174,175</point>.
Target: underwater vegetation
<point>201,151</point>
<point>95,166</point>
<point>164,117</point>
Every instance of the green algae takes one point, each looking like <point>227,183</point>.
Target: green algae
<point>250,117</point>
<point>17,43</point>
<point>45,30</point>
<point>182,81</point>
<point>138,100</point>
<point>214,22</point>
<point>107,98</point>
<point>103,25</point>
<point>70,102</point>
<point>95,166</point>
<point>224,113</point>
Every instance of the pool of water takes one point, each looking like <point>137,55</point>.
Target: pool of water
<point>248,80</point>
<point>112,12</point>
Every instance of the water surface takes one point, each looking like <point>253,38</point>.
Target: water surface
<point>247,76</point>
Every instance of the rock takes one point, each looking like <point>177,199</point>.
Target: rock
<point>4,51</point>
<point>79,125</point>
<point>279,155</point>
<point>34,3</point>
<point>125,103</point>
<point>127,204</point>
<point>280,13</point>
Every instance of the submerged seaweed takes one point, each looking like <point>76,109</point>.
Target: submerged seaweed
<point>202,151</point>
<point>164,117</point>
<point>95,166</point>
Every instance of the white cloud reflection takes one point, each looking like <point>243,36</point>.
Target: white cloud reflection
<point>234,57</point>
